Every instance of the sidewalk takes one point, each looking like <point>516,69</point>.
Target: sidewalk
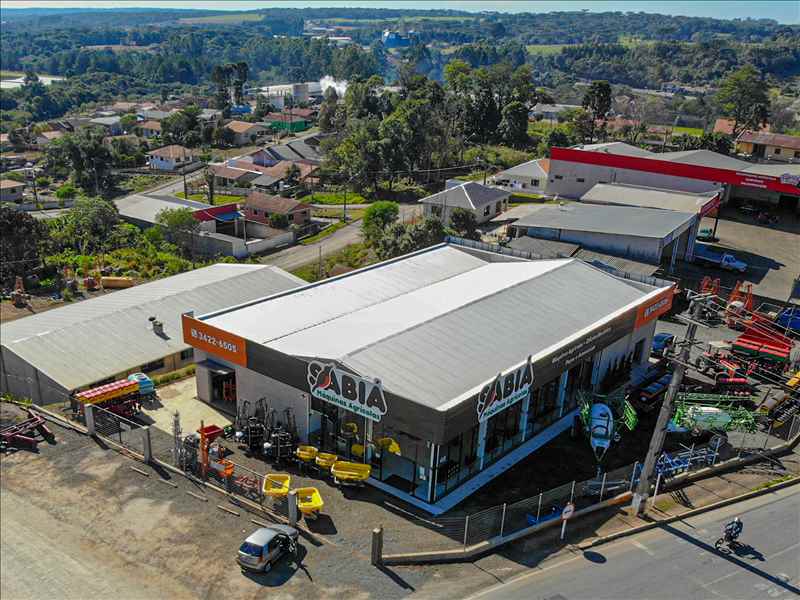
<point>592,528</point>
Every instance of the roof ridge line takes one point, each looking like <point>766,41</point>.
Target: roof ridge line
<point>466,304</point>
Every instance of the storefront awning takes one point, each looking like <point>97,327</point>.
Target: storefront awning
<point>214,367</point>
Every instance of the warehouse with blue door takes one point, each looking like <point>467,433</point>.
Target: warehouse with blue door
<point>441,368</point>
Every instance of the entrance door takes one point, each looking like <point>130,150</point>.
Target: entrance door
<point>223,388</point>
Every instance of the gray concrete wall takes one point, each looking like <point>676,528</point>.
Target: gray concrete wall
<point>635,248</point>
<point>21,379</point>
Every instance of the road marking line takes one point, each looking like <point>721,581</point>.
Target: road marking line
<point>642,547</point>
<point>724,577</point>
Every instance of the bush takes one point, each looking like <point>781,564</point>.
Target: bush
<point>14,176</point>
<point>166,378</point>
<point>43,181</point>
<point>66,191</point>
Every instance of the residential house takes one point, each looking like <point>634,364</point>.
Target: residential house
<point>530,176</point>
<point>246,133</point>
<point>170,158</point>
<point>149,129</point>
<point>273,178</point>
<point>309,114</point>
<point>122,108</point>
<point>482,201</point>
<point>286,121</point>
<point>210,116</point>
<point>112,125</point>
<point>551,112</point>
<point>45,137</point>
<point>153,114</point>
<point>11,191</point>
<point>259,207</point>
<point>5,142</point>
<point>306,149</point>
<point>226,176</point>
<point>772,146</point>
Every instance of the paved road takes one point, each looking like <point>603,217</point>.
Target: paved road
<point>678,561</point>
<point>297,256</point>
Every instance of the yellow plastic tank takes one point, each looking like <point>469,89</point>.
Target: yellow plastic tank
<point>325,460</point>
<point>350,472</point>
<point>309,501</point>
<point>306,453</point>
<point>276,485</point>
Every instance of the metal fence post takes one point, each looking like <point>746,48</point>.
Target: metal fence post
<point>466,529</point>
<point>503,519</point>
<point>572,491</point>
<point>691,455</point>
<point>716,451</point>
<point>603,486</point>
<point>89,418</point>
<point>539,510</point>
<point>633,475</point>
<point>377,546</point>
<point>766,439</point>
<point>292,508</point>
<point>743,444</point>
<point>147,448</point>
<point>655,492</point>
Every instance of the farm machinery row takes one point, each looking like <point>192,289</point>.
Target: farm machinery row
<point>123,397</point>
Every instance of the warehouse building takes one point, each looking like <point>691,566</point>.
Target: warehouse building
<point>441,368</point>
<point>47,356</point>
<point>572,172</point>
<point>654,236</point>
<point>619,194</point>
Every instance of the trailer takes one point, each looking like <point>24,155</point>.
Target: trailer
<point>122,397</point>
<point>762,344</point>
<point>25,434</point>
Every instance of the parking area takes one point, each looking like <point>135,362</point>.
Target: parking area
<point>771,252</point>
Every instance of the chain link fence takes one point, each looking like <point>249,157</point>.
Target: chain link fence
<point>117,428</point>
<point>505,519</point>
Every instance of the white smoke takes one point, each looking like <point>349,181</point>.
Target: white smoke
<point>329,82</point>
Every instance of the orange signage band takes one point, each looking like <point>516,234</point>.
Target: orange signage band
<point>218,342</point>
<point>655,307</point>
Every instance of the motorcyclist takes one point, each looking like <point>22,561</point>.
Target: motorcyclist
<point>733,530</point>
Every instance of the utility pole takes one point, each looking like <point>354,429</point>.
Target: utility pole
<point>185,189</point>
<point>657,441</point>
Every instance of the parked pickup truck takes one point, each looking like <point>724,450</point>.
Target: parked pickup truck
<point>704,253</point>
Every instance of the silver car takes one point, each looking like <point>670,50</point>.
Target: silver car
<point>267,545</point>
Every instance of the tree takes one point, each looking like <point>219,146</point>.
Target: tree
<point>597,100</point>
<point>743,97</point>
<point>241,71</point>
<point>377,218</point>
<point>513,129</point>
<point>555,137</point>
<point>21,238</point>
<point>293,174</point>
<point>180,227</point>
<point>399,238</point>
<point>583,125</point>
<point>278,221</point>
<point>84,156</point>
<point>463,221</point>
<point>88,224</point>
<point>128,122</point>
<point>210,178</point>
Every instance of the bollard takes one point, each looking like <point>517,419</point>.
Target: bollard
<point>147,448</point>
<point>377,546</point>
<point>503,520</point>
<point>292,501</point>
<point>539,509</point>
<point>633,476</point>
<point>603,486</point>
<point>466,529</point>
<point>89,417</point>
<point>572,492</point>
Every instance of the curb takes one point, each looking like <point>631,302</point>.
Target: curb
<point>688,514</point>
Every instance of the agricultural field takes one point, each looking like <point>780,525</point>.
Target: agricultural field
<point>544,49</point>
<point>223,19</point>
<point>697,131</point>
<point>11,74</point>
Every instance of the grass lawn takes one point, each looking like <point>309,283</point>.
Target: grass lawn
<point>545,49</point>
<point>687,130</point>
<point>335,198</point>
<point>323,234</point>
<point>336,213</point>
<point>354,256</point>
<point>141,183</point>
<point>10,74</point>
<point>518,198</point>
<point>219,199</point>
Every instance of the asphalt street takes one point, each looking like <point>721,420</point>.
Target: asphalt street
<point>678,560</point>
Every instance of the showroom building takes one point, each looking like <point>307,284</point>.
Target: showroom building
<point>441,368</point>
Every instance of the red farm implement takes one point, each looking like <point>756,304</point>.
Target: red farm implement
<point>25,434</point>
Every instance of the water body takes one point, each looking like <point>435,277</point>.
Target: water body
<point>10,84</point>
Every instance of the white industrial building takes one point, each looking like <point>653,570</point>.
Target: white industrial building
<point>464,361</point>
<point>47,356</point>
<point>643,234</point>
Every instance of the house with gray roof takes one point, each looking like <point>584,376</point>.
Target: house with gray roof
<point>482,201</point>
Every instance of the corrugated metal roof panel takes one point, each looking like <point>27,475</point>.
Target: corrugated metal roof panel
<point>445,357</point>
<point>94,339</point>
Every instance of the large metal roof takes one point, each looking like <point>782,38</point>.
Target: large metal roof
<point>91,340</point>
<point>145,208</point>
<point>647,197</point>
<point>614,220</point>
<point>469,195</point>
<point>437,323</point>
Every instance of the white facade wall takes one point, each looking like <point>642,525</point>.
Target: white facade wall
<point>480,215</point>
<point>625,346</point>
<point>570,172</point>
